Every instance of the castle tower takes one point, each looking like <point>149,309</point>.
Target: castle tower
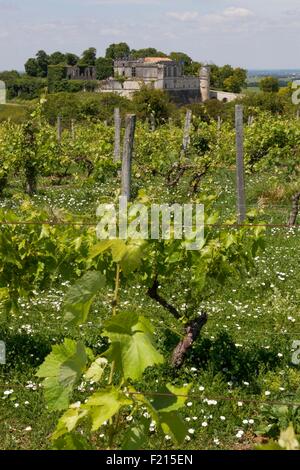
<point>205,83</point>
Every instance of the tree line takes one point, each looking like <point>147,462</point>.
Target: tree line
<point>226,78</point>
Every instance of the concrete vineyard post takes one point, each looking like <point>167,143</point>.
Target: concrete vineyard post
<point>117,145</point>
<point>73,129</point>
<point>240,170</point>
<point>186,132</point>
<point>127,155</point>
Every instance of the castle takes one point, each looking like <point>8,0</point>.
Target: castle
<point>160,73</point>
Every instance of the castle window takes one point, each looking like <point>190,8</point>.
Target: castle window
<point>133,72</point>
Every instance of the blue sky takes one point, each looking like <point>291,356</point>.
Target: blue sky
<point>247,33</point>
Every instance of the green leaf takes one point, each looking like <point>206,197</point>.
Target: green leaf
<point>164,410</point>
<point>96,370</point>
<point>103,405</point>
<point>80,297</point>
<point>173,424</point>
<point>72,441</point>
<point>100,248</point>
<point>132,258</point>
<point>171,398</point>
<point>131,347</point>
<point>167,406</point>
<point>136,437</point>
<point>61,369</point>
<point>69,421</point>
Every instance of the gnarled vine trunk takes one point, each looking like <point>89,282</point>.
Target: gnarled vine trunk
<point>192,328</point>
<point>295,210</point>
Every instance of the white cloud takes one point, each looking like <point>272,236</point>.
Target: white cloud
<point>184,16</point>
<point>230,19</point>
<point>233,12</point>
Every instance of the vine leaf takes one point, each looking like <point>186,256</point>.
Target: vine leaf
<point>136,437</point>
<point>80,297</point>
<point>72,441</point>
<point>103,405</point>
<point>96,369</point>
<point>68,421</point>
<point>132,344</point>
<point>61,370</point>
<point>128,255</point>
<point>164,408</point>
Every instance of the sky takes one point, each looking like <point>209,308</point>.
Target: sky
<point>255,34</point>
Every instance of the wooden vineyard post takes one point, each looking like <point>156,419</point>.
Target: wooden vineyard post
<point>59,128</point>
<point>186,132</point>
<point>117,144</point>
<point>127,155</point>
<point>219,123</point>
<point>240,171</point>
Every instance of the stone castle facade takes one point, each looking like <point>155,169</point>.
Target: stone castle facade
<point>158,72</point>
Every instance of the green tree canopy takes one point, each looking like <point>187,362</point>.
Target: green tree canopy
<point>228,78</point>
<point>148,52</point>
<point>31,67</point>
<point>269,85</point>
<point>42,61</point>
<point>71,59</point>
<point>89,56</point>
<point>57,58</point>
<point>104,68</point>
<point>118,51</point>
<point>149,101</point>
<point>7,76</point>
<point>189,66</point>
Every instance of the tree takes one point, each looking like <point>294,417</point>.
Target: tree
<point>181,57</point>
<point>104,68</point>
<point>71,59</point>
<point>189,67</point>
<point>9,75</point>
<point>235,82</point>
<point>31,67</point>
<point>269,85</point>
<point>150,102</point>
<point>42,61</point>
<point>227,78</point>
<point>149,52</point>
<point>89,56</point>
<point>118,51</point>
<point>57,58</point>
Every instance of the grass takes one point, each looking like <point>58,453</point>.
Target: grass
<point>15,112</point>
<point>244,352</point>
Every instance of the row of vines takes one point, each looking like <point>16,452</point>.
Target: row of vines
<point>40,248</point>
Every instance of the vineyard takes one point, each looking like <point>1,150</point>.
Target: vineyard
<point>142,344</point>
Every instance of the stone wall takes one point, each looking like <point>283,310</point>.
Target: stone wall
<point>80,72</point>
<point>224,96</point>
